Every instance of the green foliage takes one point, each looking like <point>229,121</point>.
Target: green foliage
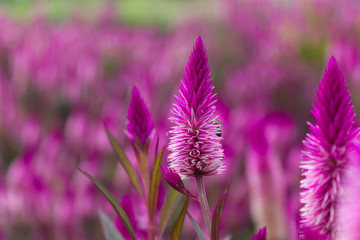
<point>196,227</point>
<point>123,159</point>
<point>217,215</point>
<point>109,230</point>
<point>168,208</point>
<point>313,52</point>
<point>114,203</point>
<point>175,233</point>
<point>154,185</point>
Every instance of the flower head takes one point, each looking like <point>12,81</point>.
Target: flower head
<point>326,151</point>
<point>195,146</point>
<point>140,125</point>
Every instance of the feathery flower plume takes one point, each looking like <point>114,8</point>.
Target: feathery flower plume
<point>326,150</point>
<point>261,235</point>
<point>140,125</point>
<point>195,146</point>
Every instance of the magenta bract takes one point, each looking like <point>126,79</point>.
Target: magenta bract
<point>174,180</point>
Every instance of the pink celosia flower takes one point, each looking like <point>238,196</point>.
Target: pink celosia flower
<point>140,125</point>
<point>195,146</point>
<point>261,235</point>
<point>326,151</point>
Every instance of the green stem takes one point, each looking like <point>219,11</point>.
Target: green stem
<point>204,202</point>
<point>144,169</point>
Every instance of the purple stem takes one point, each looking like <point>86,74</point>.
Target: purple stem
<point>204,202</point>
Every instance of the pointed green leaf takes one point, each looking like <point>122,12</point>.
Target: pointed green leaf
<point>166,209</point>
<point>119,210</point>
<point>172,196</point>
<point>196,227</point>
<point>109,230</point>
<point>217,215</point>
<point>154,184</point>
<point>156,147</point>
<point>124,160</point>
<point>175,234</point>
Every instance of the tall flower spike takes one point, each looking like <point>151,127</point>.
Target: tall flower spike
<point>326,150</point>
<point>195,146</point>
<point>140,125</point>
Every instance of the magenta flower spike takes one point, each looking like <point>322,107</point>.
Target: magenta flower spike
<point>195,146</point>
<point>174,180</point>
<point>140,125</point>
<point>326,150</point>
<point>261,235</point>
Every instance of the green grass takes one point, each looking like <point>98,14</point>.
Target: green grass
<point>134,12</point>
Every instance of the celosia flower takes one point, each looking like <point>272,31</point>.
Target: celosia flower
<point>195,146</point>
<point>326,151</point>
<point>174,180</point>
<point>140,125</point>
<point>261,235</point>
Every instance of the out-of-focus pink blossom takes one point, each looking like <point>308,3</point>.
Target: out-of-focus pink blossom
<point>266,176</point>
<point>140,125</point>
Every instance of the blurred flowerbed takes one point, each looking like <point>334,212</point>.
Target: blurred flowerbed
<point>61,80</point>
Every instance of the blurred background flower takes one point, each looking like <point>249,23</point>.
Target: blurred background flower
<point>66,68</point>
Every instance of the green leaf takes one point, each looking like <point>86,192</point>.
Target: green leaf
<point>217,215</point>
<point>154,184</point>
<point>196,227</point>
<point>109,230</point>
<point>124,160</point>
<point>119,210</point>
<point>167,209</point>
<point>156,147</point>
<point>175,234</point>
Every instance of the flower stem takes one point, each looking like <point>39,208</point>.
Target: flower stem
<point>204,202</point>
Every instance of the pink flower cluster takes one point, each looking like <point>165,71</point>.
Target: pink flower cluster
<point>61,81</point>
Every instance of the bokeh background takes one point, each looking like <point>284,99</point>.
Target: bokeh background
<point>66,67</point>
